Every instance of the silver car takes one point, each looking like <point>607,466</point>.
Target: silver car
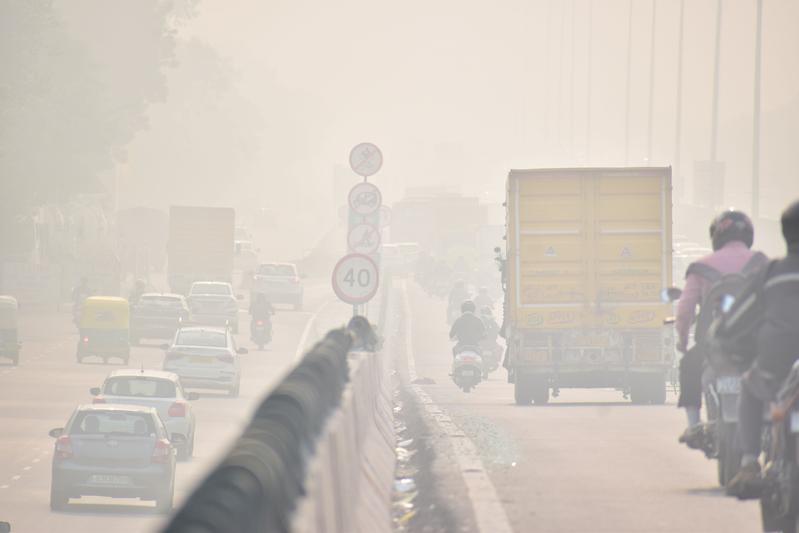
<point>121,451</point>
<point>280,282</point>
<point>158,389</point>
<point>205,358</point>
<point>213,303</point>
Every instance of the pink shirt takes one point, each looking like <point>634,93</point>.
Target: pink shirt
<point>731,258</point>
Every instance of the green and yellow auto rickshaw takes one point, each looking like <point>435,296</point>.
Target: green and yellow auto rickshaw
<point>9,343</point>
<point>103,324</point>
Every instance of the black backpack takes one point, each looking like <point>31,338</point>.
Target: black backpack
<point>721,286</point>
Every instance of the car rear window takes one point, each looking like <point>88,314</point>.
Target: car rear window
<point>276,270</point>
<point>211,288</point>
<point>142,387</point>
<point>113,423</point>
<point>160,302</point>
<point>216,339</point>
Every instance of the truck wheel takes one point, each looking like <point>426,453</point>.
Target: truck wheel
<point>657,389</point>
<point>521,391</point>
<point>540,391</point>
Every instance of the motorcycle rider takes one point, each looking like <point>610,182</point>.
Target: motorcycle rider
<point>457,296</point>
<point>483,299</point>
<point>468,329</point>
<point>260,309</point>
<point>732,235</point>
<point>772,340</point>
<point>490,325</point>
<point>81,292</point>
<point>139,287</point>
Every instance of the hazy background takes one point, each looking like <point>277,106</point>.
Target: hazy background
<point>256,104</point>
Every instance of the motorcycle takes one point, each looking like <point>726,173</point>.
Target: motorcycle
<point>491,353</point>
<point>779,500</point>
<point>467,368</point>
<point>261,332</point>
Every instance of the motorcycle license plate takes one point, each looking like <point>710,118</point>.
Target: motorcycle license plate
<point>794,421</point>
<point>468,373</point>
<point>728,385</point>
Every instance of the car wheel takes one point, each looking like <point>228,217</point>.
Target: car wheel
<point>234,392</point>
<point>58,499</point>
<point>163,502</point>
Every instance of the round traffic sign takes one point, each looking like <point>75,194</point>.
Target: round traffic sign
<point>355,279</point>
<point>365,198</point>
<point>366,159</point>
<point>363,239</point>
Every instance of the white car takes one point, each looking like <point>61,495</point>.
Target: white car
<point>213,303</point>
<point>160,390</point>
<point>205,358</point>
<point>280,282</point>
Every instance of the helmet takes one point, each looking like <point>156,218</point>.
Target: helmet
<point>790,226</point>
<point>468,307</point>
<point>731,225</point>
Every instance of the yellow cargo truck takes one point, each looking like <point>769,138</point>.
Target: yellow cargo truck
<point>588,253</point>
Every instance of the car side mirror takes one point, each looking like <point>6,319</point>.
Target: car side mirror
<point>5,527</point>
<point>192,396</point>
<point>94,391</point>
<point>242,351</point>
<point>178,439</point>
<point>670,294</point>
<point>57,432</point>
<point>164,346</point>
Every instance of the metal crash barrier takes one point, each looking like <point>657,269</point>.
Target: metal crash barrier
<point>318,454</point>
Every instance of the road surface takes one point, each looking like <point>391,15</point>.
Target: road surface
<point>42,391</point>
<point>587,462</point>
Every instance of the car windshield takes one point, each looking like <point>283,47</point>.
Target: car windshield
<point>276,270</point>
<point>113,422</point>
<point>142,387</point>
<point>201,337</point>
<point>160,302</point>
<point>211,288</point>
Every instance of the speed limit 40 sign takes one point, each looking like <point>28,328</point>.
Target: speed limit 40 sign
<point>355,279</point>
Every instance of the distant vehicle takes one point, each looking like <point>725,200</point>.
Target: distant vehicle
<point>588,252</point>
<point>157,316</point>
<point>160,390</point>
<point>104,329</point>
<point>280,282</point>
<point>121,451</point>
<point>200,245</point>
<point>9,343</point>
<point>205,358</point>
<point>214,303</point>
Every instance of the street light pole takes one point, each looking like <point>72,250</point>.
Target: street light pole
<point>716,67</point>
<point>756,113</point>
<point>588,83</point>
<point>627,84</point>
<point>651,82</point>
<point>678,109</point>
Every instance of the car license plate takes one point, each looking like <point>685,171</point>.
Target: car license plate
<point>200,360</point>
<point>728,385</point>
<point>108,479</point>
<point>467,373</point>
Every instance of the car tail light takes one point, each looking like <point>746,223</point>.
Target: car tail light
<point>225,358</point>
<point>98,399</point>
<point>177,409</point>
<point>259,323</point>
<point>85,340</point>
<point>63,448</point>
<point>161,451</point>
<point>295,280</point>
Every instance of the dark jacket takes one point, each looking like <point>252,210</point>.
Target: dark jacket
<point>468,330</point>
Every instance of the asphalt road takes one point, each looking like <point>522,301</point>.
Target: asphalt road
<point>587,462</point>
<point>42,391</point>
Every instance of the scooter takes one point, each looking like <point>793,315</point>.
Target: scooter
<point>491,353</point>
<point>261,332</point>
<point>467,368</point>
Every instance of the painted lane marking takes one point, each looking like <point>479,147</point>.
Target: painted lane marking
<point>15,478</point>
<point>307,331</point>
<point>486,504</point>
<point>27,468</point>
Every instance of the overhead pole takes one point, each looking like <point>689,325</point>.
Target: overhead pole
<point>590,57</point>
<point>571,85</point>
<point>678,106</point>
<point>650,117</point>
<point>714,129</point>
<point>756,112</point>
<point>627,83</point>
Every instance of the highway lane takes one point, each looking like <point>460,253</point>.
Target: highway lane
<point>41,393</point>
<point>587,462</point>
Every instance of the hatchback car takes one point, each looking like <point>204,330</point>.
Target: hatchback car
<point>157,316</point>
<point>280,282</point>
<point>205,358</point>
<point>121,451</point>
<point>213,303</point>
<point>160,390</point>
